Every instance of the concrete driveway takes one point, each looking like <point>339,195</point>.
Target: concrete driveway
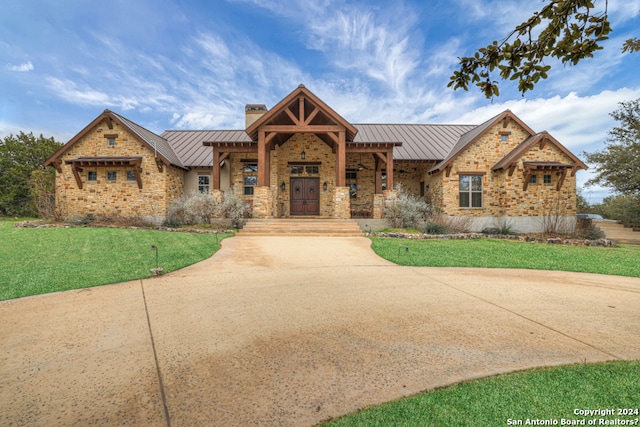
<point>292,331</point>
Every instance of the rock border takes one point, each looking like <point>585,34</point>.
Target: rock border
<point>44,224</point>
<point>606,243</point>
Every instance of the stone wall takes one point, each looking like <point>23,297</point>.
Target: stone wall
<point>503,195</point>
<point>120,197</point>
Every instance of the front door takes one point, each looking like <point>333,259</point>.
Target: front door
<point>305,196</point>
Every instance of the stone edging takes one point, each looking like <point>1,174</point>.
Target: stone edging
<point>522,238</point>
<point>37,224</point>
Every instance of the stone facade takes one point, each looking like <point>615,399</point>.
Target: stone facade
<point>503,194</point>
<point>304,137</point>
<point>118,197</point>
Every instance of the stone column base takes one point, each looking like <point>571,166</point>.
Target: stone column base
<point>217,196</point>
<point>263,202</point>
<point>341,203</point>
<point>390,196</point>
<point>378,206</point>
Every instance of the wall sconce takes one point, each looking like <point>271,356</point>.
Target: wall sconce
<point>324,186</point>
<point>283,186</point>
<point>303,155</point>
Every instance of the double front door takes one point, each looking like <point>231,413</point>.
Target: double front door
<point>305,196</point>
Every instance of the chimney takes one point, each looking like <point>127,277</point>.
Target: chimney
<point>253,112</point>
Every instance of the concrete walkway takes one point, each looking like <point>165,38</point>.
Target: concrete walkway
<point>283,331</point>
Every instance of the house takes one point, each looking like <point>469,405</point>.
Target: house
<point>301,158</point>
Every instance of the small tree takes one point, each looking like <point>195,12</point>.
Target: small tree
<point>618,165</point>
<point>42,189</point>
<point>20,155</point>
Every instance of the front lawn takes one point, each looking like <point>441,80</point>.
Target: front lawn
<point>540,395</point>
<point>38,261</point>
<point>490,253</point>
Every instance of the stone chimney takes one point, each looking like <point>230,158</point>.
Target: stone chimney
<point>253,112</point>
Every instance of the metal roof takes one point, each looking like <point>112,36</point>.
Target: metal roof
<point>155,141</point>
<point>419,141</point>
<point>188,144</point>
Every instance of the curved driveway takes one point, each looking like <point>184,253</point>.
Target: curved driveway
<point>292,331</point>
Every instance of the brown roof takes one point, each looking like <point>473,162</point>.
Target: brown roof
<point>153,141</point>
<point>188,144</point>
<point>419,142</point>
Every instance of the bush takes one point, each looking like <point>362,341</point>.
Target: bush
<point>407,211</point>
<point>202,208</point>
<point>234,208</point>
<point>586,229</point>
<point>435,228</point>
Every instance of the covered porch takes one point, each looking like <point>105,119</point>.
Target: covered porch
<point>300,159</point>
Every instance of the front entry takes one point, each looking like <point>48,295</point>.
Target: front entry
<point>305,196</point>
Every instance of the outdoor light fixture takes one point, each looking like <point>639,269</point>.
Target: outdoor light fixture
<point>283,186</point>
<point>303,155</point>
<point>155,249</point>
<point>324,186</point>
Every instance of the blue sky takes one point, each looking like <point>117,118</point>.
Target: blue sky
<point>178,64</point>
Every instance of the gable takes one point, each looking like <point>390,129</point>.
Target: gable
<point>159,146</point>
<point>532,150</point>
<point>503,119</point>
<point>299,109</point>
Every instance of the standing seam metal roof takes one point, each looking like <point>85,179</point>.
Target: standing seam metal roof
<point>419,141</point>
<point>155,141</point>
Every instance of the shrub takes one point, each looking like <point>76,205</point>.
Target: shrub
<point>504,227</point>
<point>586,229</point>
<point>435,228</point>
<point>407,211</point>
<point>234,208</point>
<point>199,208</point>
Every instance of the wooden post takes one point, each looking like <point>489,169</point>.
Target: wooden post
<point>341,160</point>
<point>263,160</point>
<point>215,173</point>
<point>390,184</point>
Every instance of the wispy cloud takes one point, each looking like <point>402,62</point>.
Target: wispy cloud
<point>21,68</point>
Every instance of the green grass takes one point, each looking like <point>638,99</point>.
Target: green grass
<point>37,261</point>
<point>490,253</point>
<point>548,393</point>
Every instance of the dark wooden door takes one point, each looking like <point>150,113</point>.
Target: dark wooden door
<point>305,196</point>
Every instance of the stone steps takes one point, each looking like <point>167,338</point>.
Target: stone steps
<point>301,227</point>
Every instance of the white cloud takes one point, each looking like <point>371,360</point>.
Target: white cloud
<point>22,68</point>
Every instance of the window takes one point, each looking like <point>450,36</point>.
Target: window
<point>504,138</point>
<point>547,179</point>
<point>111,142</point>
<point>470,191</point>
<point>296,169</point>
<point>249,183</point>
<point>250,178</point>
<point>112,175</point>
<point>533,179</point>
<point>92,176</point>
<point>352,183</point>
<point>131,176</point>
<point>384,179</point>
<point>203,183</point>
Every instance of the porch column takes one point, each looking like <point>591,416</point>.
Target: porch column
<point>341,160</point>
<point>390,184</point>
<point>263,160</point>
<point>378,176</point>
<point>215,173</point>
